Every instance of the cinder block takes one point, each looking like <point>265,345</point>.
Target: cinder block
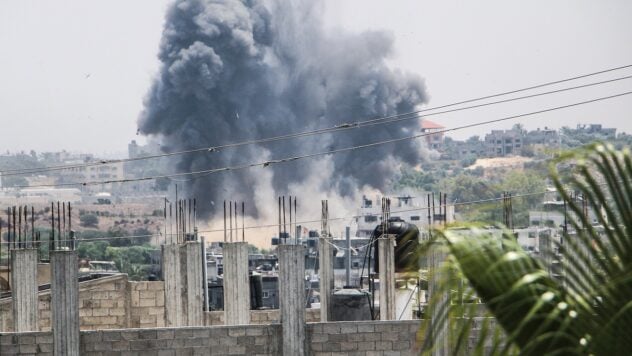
<point>165,334</point>
<point>252,331</point>
<point>366,328</point>
<point>366,346</point>
<point>147,302</point>
<point>44,339</point>
<point>331,346</point>
<point>111,336</point>
<point>331,328</point>
<point>116,312</point>
<point>91,337</point>
<point>100,312</point>
<point>383,345</point>
<point>401,345</point>
<point>348,328</point>
<point>239,331</point>
<point>348,346</point>
<point>237,350</point>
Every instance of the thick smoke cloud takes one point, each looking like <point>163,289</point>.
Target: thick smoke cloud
<point>238,70</point>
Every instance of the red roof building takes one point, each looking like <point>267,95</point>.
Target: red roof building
<point>434,139</point>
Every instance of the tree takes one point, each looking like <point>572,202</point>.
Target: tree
<point>89,220</point>
<point>589,312</point>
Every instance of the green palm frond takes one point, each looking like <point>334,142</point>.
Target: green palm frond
<point>589,309</point>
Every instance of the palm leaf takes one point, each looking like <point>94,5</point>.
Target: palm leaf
<point>590,310</point>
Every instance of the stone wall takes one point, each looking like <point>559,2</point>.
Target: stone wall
<point>221,340</point>
<point>358,338</point>
<point>116,303</point>
<point>363,338</point>
<point>147,304</point>
<point>105,303</point>
<point>257,317</point>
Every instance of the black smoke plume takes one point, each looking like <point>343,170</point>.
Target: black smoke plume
<point>240,70</point>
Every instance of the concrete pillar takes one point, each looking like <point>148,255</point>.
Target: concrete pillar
<point>173,285</point>
<point>191,281</point>
<point>236,284</point>
<point>65,302</point>
<point>24,290</point>
<point>386,253</point>
<point>439,300</point>
<point>326,277</point>
<point>292,298</point>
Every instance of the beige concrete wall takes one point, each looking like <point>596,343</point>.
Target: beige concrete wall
<point>116,303</point>
<point>147,304</point>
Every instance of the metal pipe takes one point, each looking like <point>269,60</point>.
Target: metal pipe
<point>236,224</point>
<point>230,219</point>
<point>63,214</point>
<point>243,221</point>
<point>225,232</point>
<point>290,202</point>
<point>32,225</point>
<point>284,227</point>
<point>279,219</point>
<point>295,217</point>
<point>74,245</point>
<point>164,219</point>
<point>59,236</point>
<point>16,238</point>
<point>20,243</point>
<point>51,237</point>
<point>170,223</point>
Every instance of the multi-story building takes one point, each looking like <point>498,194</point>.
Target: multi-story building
<point>501,143</point>
<point>434,139</point>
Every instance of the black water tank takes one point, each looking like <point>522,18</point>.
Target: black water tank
<point>406,249</point>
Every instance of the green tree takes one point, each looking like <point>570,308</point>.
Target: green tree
<point>89,220</point>
<point>590,312</point>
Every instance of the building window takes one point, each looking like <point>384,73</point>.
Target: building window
<point>370,218</point>
<point>414,218</point>
<point>266,294</point>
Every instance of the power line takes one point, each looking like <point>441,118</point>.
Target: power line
<point>201,173</point>
<point>254,227</point>
<point>345,126</point>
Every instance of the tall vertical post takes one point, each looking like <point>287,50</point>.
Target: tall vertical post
<point>386,252</point>
<point>440,297</point>
<point>24,290</point>
<point>236,284</point>
<point>326,276</point>
<point>292,297</point>
<point>65,302</point>
<point>204,270</point>
<point>173,285</point>
<point>348,255</point>
<point>191,282</point>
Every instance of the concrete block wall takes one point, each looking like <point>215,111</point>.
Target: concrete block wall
<point>103,305</point>
<point>147,304</point>
<point>333,338</point>
<point>225,340</point>
<point>258,317</point>
<point>363,338</point>
<point>30,343</point>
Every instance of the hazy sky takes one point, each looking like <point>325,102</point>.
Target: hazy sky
<point>73,74</point>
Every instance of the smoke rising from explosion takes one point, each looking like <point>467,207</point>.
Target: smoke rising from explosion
<point>240,70</point>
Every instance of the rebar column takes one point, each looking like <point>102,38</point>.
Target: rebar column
<point>292,298</point>
<point>191,277</point>
<point>236,284</point>
<point>326,277</point>
<point>386,253</point>
<point>173,285</point>
<point>24,290</point>
<point>65,302</point>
